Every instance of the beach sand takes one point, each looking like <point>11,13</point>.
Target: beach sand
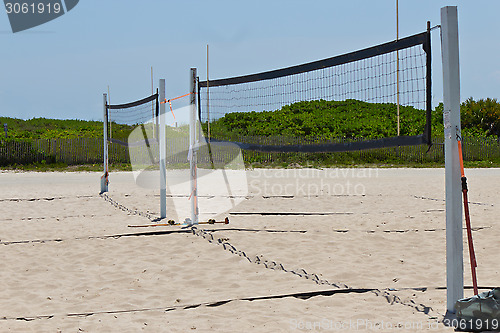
<point>295,245</point>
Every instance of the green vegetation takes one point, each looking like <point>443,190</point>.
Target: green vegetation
<point>44,167</point>
<point>355,119</point>
<point>320,120</point>
<point>326,120</point>
<point>43,128</point>
<point>50,144</point>
<point>481,117</point>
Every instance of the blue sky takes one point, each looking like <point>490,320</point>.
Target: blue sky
<point>62,68</point>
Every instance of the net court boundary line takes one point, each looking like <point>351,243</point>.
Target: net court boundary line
<point>291,213</point>
<point>300,295</point>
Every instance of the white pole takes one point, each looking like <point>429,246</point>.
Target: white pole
<point>155,122</point>
<point>451,118</point>
<point>397,63</point>
<point>193,148</point>
<point>110,134</point>
<point>104,178</point>
<point>163,153</point>
<point>208,102</point>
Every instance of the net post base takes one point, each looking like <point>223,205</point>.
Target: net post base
<point>104,184</point>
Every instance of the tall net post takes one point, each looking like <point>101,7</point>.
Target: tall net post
<point>104,178</point>
<point>397,65</point>
<point>163,153</point>
<point>451,120</point>
<point>153,113</point>
<point>208,100</point>
<point>428,79</point>
<point>193,148</point>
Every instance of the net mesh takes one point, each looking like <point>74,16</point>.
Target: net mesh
<point>135,126</point>
<point>371,80</point>
<point>220,175</point>
<point>123,120</point>
<point>133,115</point>
<point>220,171</point>
<point>359,88</point>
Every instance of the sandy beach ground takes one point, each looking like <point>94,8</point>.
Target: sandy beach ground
<point>306,250</point>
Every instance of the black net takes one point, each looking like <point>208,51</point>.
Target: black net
<point>348,102</point>
<point>135,126</point>
<point>125,119</point>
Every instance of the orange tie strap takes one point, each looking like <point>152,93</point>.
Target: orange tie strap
<point>171,110</point>
<point>169,101</point>
<point>460,155</point>
<point>173,99</point>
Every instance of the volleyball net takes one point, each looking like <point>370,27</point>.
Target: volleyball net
<point>135,126</point>
<point>123,119</point>
<point>204,180</point>
<point>200,182</point>
<point>372,98</point>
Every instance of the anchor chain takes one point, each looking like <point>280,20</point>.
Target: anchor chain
<point>270,264</point>
<point>260,260</point>
<point>126,209</point>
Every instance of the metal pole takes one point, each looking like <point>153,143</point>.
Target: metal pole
<point>428,93</point>
<point>208,104</point>
<point>104,178</point>
<point>163,153</point>
<point>193,148</point>
<point>153,105</point>
<point>397,62</point>
<point>451,119</point>
<point>110,134</point>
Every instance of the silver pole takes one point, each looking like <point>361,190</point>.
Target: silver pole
<point>163,153</point>
<point>110,134</point>
<point>104,178</point>
<point>208,103</point>
<point>397,63</point>
<point>155,121</point>
<point>451,119</point>
<point>193,148</point>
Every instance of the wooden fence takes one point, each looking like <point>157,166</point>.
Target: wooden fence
<point>90,151</point>
<point>68,151</point>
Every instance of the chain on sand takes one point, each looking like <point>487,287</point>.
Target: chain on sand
<point>261,261</point>
<point>126,209</point>
<point>391,298</point>
<point>270,264</point>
